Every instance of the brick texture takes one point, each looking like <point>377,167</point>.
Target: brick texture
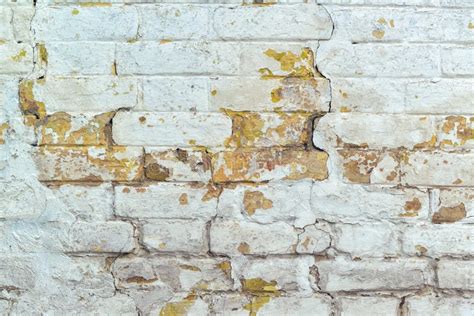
<point>228,157</point>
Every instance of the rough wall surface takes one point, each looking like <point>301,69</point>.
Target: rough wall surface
<point>228,158</point>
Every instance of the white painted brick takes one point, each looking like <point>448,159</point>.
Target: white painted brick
<point>165,201</point>
<point>438,240</point>
<point>287,274</point>
<point>440,96</point>
<point>343,275</point>
<point>314,239</point>
<point>18,271</point>
<point>177,165</point>
<point>425,168</point>
<point>22,16</point>
<point>178,58</point>
<point>15,58</point>
<point>457,60</point>
<point>268,203</point>
<point>381,95</point>
<point>367,239</point>
<point>384,2</point>
<point>251,94</point>
<point>239,237</point>
<point>456,274</point>
<point>376,306</point>
<point>437,305</point>
<point>454,205</point>
<point>373,95</point>
<point>95,94</point>
<point>342,59</point>
<point>82,23</point>
<point>298,21</point>
<point>296,306</point>
<point>101,237</point>
<point>6,29</point>
<point>175,94</point>
<point>179,274</point>
<point>171,129</point>
<point>373,130</point>
<point>401,24</point>
<point>175,21</point>
<point>19,199</point>
<point>80,58</point>
<point>87,203</point>
<point>351,203</point>
<point>161,235</point>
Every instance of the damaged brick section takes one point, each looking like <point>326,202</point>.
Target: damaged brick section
<point>256,158</point>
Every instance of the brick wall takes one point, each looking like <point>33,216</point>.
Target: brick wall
<point>228,158</point>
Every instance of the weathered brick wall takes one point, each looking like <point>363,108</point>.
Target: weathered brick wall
<point>232,158</point>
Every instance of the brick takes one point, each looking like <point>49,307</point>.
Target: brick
<point>416,96</point>
<point>166,201</point>
<point>22,16</point>
<point>18,272</point>
<point>6,29</point>
<point>367,240</point>
<point>430,168</point>
<point>295,306</point>
<point>177,165</point>
<point>385,2</point>
<point>437,305</point>
<point>298,21</point>
<point>179,274</point>
<point>457,60</point>
<point>62,128</point>
<point>269,164</point>
<point>160,235</point>
<point>456,274</point>
<point>373,130</point>
<point>453,205</point>
<point>91,94</point>
<point>377,306</point>
<point>101,237</point>
<point>170,129</point>
<point>87,203</point>
<point>239,237</point>
<point>83,23</point>
<point>16,58</point>
<point>350,203</point>
<point>374,275</point>
<point>276,60</point>
<point>175,94</point>
<point>251,129</point>
<point>284,274</point>
<point>314,239</point>
<point>21,200</point>
<point>175,21</point>
<point>190,58</point>
<point>369,166</point>
<point>341,59</point>
<point>88,163</point>
<point>80,58</point>
<point>268,203</point>
<point>400,24</point>
<point>285,94</point>
<point>438,240</point>
<point>440,96</point>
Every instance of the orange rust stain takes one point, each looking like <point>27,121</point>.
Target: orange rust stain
<point>249,165</point>
<point>3,129</point>
<point>244,248</point>
<point>411,208</point>
<point>180,308</point>
<point>254,200</point>
<point>183,199</point>
<point>140,280</point>
<point>359,165</point>
<point>449,214</point>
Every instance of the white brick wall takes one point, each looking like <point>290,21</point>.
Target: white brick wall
<point>276,157</point>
